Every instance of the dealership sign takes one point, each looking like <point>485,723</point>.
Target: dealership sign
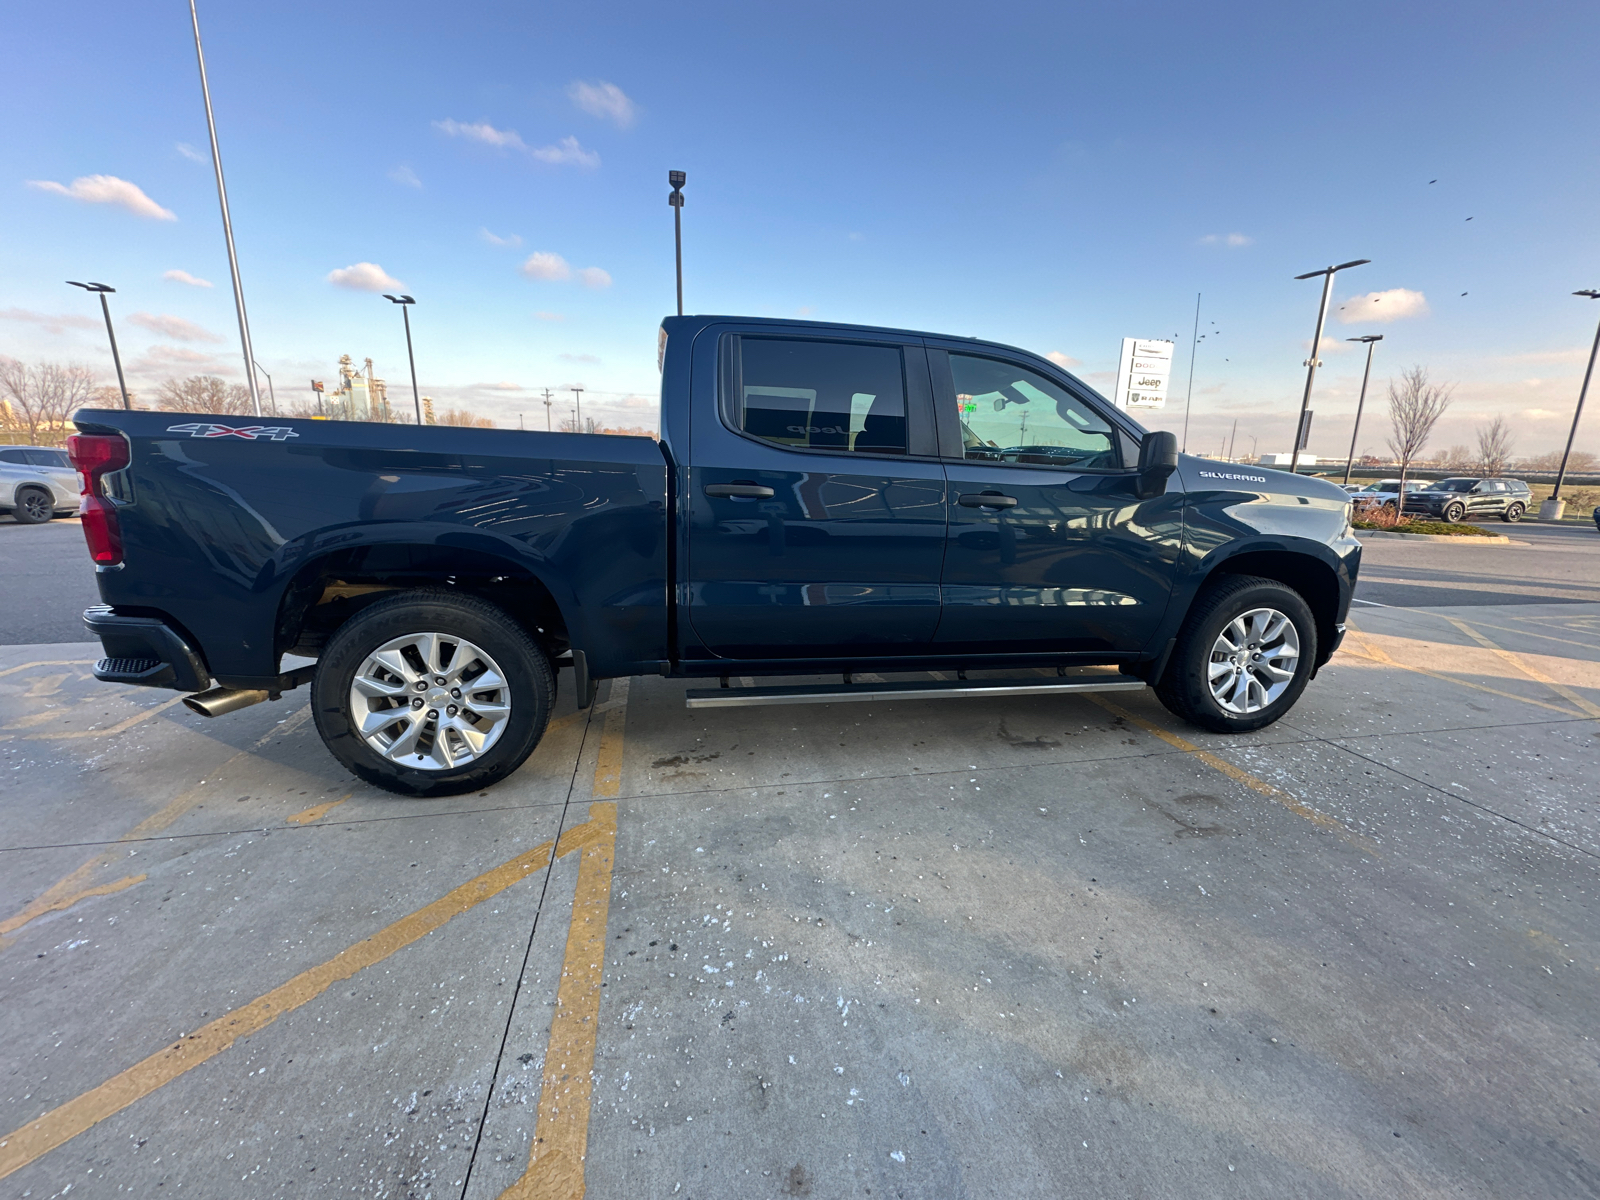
<point>1142,373</point>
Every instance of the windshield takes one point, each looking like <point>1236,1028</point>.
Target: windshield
<point>1452,485</point>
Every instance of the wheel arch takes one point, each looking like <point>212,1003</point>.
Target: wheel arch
<point>327,590</point>
<point>1316,582</point>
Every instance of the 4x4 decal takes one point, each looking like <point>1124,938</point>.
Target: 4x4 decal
<point>248,432</point>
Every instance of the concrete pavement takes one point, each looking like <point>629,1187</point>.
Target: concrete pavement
<point>1035,947</point>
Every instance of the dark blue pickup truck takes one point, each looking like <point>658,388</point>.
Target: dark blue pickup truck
<point>824,501</point>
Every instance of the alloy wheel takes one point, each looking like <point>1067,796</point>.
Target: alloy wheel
<point>430,701</point>
<point>1253,660</point>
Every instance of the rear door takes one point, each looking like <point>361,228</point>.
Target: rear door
<point>1049,547</point>
<point>815,496</point>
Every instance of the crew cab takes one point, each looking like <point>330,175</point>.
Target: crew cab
<point>823,501</point>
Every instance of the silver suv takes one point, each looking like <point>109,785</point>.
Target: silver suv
<point>37,483</point>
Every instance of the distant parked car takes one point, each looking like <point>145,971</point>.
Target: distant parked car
<point>1596,516</point>
<point>1471,499</point>
<point>1382,492</point>
<point>37,483</point>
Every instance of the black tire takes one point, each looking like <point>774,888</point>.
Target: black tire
<point>1513,514</point>
<point>526,668</point>
<point>34,506</point>
<point>1454,512</point>
<point>1183,687</point>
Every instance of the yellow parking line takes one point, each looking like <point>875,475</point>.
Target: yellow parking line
<point>1378,656</point>
<point>119,727</point>
<point>317,811</point>
<point>61,1124</point>
<point>1527,669</point>
<point>1277,795</point>
<point>48,903</point>
<point>67,885</point>
<point>561,1133</point>
<point>49,662</point>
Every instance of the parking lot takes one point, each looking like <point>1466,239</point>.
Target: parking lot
<point>1025,947</point>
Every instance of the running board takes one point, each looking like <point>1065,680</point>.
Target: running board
<point>932,690</point>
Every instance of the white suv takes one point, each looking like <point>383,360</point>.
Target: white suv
<point>37,483</point>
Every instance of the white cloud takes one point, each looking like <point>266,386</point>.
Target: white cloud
<point>1062,360</point>
<point>483,132</point>
<point>1573,354</point>
<point>541,264</point>
<point>567,150</point>
<point>364,277</point>
<point>550,316</point>
<point>176,328</point>
<point>50,322</point>
<point>604,100</point>
<point>191,153</point>
<point>511,239</point>
<point>594,277</point>
<point>591,359</point>
<point>165,359</point>
<point>1231,240</point>
<point>108,189</point>
<point>1396,304</point>
<point>406,176</point>
<point>177,276</point>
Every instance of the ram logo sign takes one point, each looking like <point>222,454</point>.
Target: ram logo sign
<point>248,432</point>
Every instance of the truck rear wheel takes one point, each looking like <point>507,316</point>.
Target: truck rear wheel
<point>1243,657</point>
<point>431,693</point>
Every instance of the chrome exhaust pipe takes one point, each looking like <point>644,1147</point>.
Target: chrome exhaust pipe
<point>221,700</point>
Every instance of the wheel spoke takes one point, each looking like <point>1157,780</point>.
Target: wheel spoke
<point>377,689</point>
<point>488,681</point>
<point>406,743</point>
<point>493,712</point>
<point>1274,673</point>
<point>1217,670</point>
<point>394,661</point>
<point>382,718</point>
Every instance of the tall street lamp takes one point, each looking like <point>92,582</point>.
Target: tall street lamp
<point>577,409</point>
<point>271,391</point>
<point>1556,505</point>
<point>102,291</point>
<point>1313,362</point>
<point>227,221</point>
<point>677,179</point>
<point>405,303</point>
<point>1370,339</point>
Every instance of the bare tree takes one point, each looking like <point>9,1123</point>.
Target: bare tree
<point>1494,447</point>
<point>41,398</point>
<point>203,394</point>
<point>461,416</point>
<point>1414,409</point>
<point>1581,460</point>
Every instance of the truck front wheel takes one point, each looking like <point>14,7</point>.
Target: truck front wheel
<point>432,693</point>
<point>1243,657</point>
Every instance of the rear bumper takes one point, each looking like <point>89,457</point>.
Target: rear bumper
<point>145,651</point>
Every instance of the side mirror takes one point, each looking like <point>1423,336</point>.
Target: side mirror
<point>1158,458</point>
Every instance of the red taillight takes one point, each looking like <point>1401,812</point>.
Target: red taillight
<point>95,456</point>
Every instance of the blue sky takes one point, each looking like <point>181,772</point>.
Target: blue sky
<point>1054,176</point>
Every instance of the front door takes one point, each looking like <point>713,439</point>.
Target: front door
<point>816,500</point>
<point>1049,548</point>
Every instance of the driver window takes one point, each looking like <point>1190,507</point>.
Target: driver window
<point>1012,414</point>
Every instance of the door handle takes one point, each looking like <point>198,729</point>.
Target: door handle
<point>986,500</point>
<point>739,491</point>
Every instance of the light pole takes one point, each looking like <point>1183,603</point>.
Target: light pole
<point>1370,339</point>
<point>1327,274</point>
<point>405,303</point>
<point>227,221</point>
<point>677,179</point>
<point>547,403</point>
<point>1555,503</point>
<point>271,391</point>
<point>1194,346</point>
<point>577,410</point>
<point>102,291</point>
